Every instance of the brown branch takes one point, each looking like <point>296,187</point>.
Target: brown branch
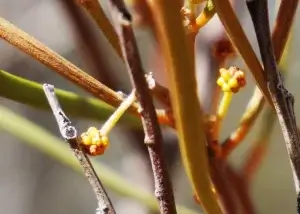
<point>241,190</point>
<point>284,21</point>
<point>282,99</point>
<point>94,9</point>
<point>224,191</point>
<point>69,133</point>
<point>86,40</point>
<point>50,58</point>
<point>153,136</point>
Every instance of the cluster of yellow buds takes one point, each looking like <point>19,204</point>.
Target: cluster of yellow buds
<point>93,142</point>
<point>231,80</point>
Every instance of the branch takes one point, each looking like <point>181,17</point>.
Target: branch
<point>259,149</point>
<point>69,133</point>
<point>153,136</point>
<point>33,95</point>
<point>282,99</point>
<point>48,57</point>
<point>87,41</point>
<point>94,9</point>
<point>279,38</point>
<point>284,21</point>
<point>240,41</point>
<point>178,54</point>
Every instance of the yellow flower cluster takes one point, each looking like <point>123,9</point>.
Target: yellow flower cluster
<point>93,143</point>
<point>231,80</point>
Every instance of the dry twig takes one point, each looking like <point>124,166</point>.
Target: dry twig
<point>153,137</point>
<point>69,133</point>
<point>48,57</point>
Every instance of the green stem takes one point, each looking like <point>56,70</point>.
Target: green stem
<point>31,93</point>
<point>42,140</point>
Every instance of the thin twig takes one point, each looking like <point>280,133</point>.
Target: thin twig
<point>48,57</point>
<point>94,9</point>
<point>153,136</point>
<point>259,149</point>
<point>69,133</point>
<point>282,99</point>
<point>240,41</point>
<point>241,189</point>
<point>224,191</point>
<point>249,117</point>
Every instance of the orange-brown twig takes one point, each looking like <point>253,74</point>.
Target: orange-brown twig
<point>50,58</point>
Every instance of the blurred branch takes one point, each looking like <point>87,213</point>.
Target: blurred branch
<point>224,191</point>
<point>48,57</point>
<point>94,9</point>
<point>69,133</point>
<point>33,95</point>
<point>42,140</point>
<point>178,53</point>
<point>284,22</point>
<point>283,100</point>
<point>240,41</point>
<point>280,37</point>
<point>241,189</point>
<point>87,41</point>
<point>153,136</point>
<point>258,150</point>
<point>249,117</point>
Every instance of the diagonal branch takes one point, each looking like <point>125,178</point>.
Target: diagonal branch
<point>284,21</point>
<point>94,9</point>
<point>282,99</point>
<point>69,133</point>
<point>240,41</point>
<point>280,36</point>
<point>153,136</point>
<point>50,58</point>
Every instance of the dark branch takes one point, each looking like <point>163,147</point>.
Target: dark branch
<point>282,99</point>
<point>69,133</point>
<point>153,136</point>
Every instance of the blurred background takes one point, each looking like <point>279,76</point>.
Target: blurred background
<point>32,182</point>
